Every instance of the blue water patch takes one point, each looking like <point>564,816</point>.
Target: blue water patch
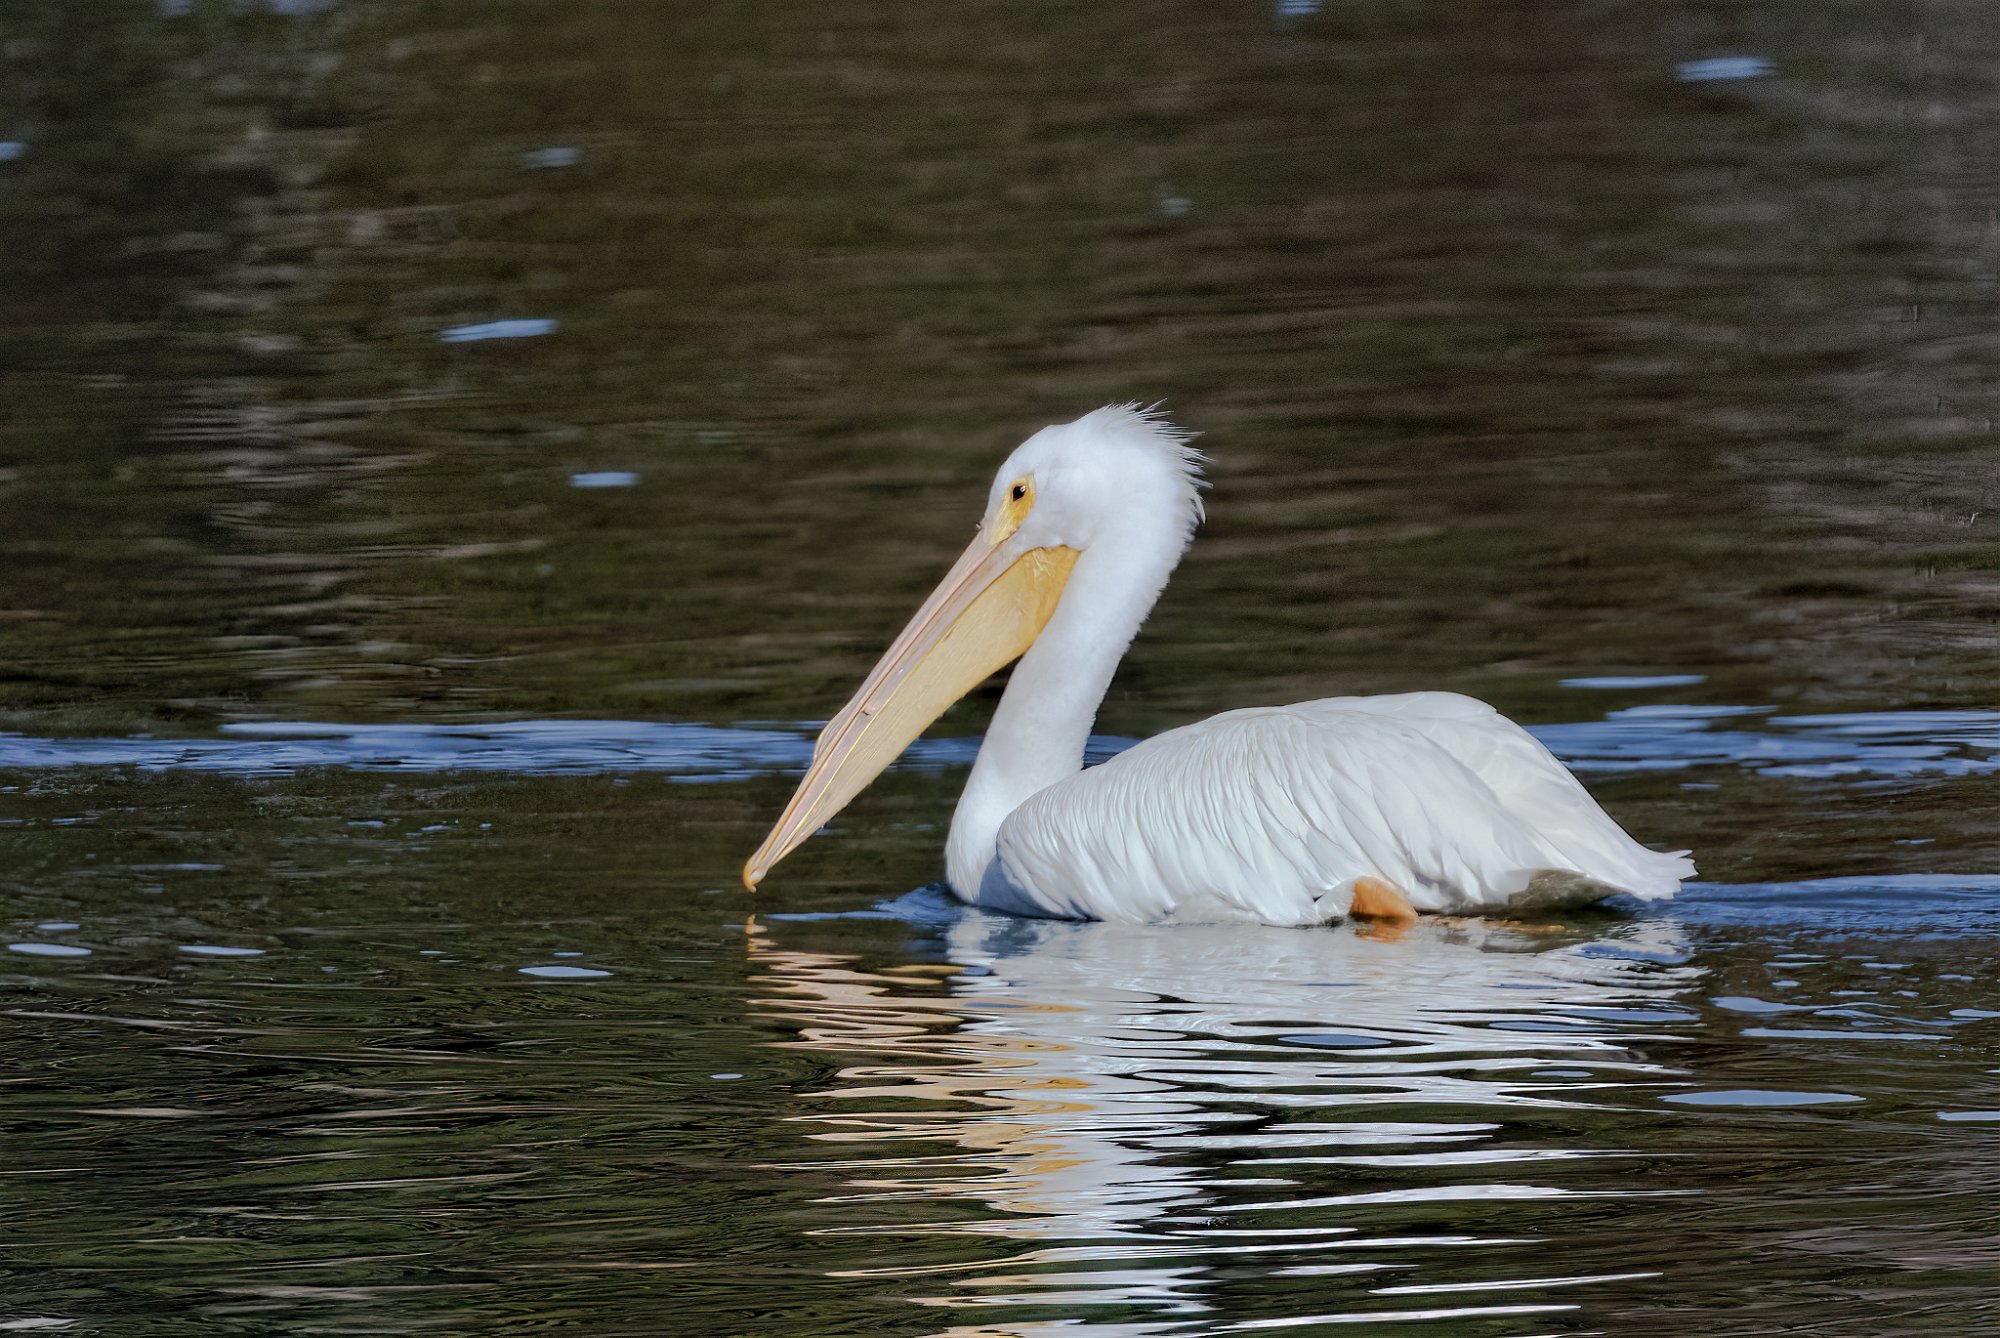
<point>10,149</point>
<point>507,329</point>
<point>1832,1034</point>
<point>1617,682</point>
<point>556,155</point>
<point>1721,68</point>
<point>1741,1004</point>
<point>49,949</point>
<point>1868,744</point>
<point>1757,1096</point>
<point>929,907</point>
<point>1337,1040</point>
<point>808,917</point>
<point>1924,903</point>
<point>519,747</point>
<point>604,478</point>
<point>565,972</point>
<point>1875,744</point>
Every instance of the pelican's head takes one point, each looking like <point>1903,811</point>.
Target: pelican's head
<point>1115,473</point>
<point>1119,479</point>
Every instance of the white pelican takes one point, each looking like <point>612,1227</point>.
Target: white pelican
<point>1288,815</point>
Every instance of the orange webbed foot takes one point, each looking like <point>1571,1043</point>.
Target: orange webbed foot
<point>1388,911</point>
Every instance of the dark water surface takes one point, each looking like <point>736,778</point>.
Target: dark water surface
<point>450,454</point>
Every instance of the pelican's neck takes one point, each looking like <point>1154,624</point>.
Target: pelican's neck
<point>1044,717</point>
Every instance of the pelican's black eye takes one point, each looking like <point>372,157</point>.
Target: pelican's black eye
<point>1019,492</point>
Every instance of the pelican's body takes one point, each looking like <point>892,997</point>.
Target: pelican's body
<point>1286,815</point>
<point>1273,814</point>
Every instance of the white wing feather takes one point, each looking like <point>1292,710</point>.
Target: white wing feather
<point>1270,814</point>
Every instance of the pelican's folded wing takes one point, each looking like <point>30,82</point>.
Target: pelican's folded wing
<point>1270,814</point>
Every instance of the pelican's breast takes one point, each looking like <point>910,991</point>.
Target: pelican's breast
<point>1270,814</point>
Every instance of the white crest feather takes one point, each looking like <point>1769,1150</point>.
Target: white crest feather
<point>1150,423</point>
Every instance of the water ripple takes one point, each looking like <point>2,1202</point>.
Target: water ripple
<point>1882,744</point>
<point>1159,1092</point>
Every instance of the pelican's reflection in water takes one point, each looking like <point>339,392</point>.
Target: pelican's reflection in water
<point>1179,1129</point>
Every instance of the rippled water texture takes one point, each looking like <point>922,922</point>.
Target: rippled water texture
<point>452,456</point>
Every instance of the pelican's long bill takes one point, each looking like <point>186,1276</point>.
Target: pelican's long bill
<point>989,609</point>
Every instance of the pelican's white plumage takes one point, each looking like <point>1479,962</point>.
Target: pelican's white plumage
<point>1271,814</point>
<point>1267,815</point>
